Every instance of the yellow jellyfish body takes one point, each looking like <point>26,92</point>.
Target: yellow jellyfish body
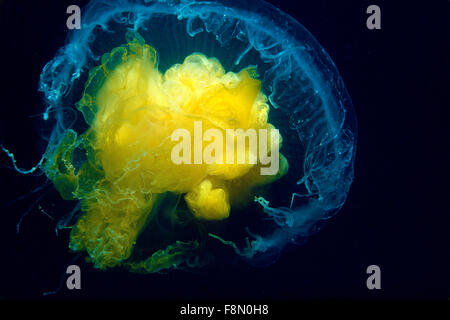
<point>134,112</point>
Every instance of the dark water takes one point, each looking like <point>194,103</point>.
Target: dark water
<point>396,215</point>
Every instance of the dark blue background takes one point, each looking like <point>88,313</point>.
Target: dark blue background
<point>396,215</point>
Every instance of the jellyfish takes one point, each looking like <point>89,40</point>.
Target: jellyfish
<point>144,101</point>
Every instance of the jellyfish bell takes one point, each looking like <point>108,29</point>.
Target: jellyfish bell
<point>138,70</point>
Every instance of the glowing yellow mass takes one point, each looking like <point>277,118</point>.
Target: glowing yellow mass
<point>133,109</point>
